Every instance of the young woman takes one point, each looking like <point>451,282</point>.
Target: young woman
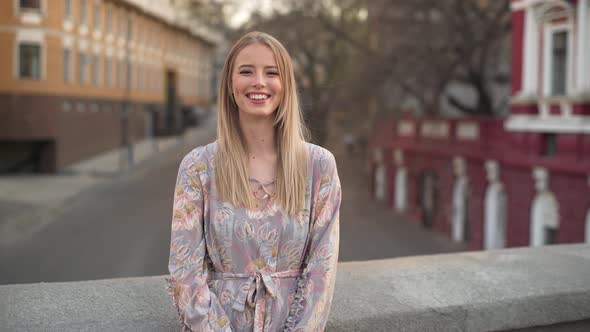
<point>255,226</point>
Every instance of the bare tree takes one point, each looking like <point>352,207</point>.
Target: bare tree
<point>426,45</point>
<point>325,66</point>
<point>403,54</point>
<point>482,30</point>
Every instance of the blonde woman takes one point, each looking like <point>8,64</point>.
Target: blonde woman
<point>255,226</point>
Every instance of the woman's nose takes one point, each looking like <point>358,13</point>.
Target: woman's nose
<point>259,80</point>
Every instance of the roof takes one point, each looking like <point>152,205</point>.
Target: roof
<point>165,11</point>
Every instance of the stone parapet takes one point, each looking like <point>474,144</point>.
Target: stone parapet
<point>534,289</point>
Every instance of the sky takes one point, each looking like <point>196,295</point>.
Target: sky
<point>239,14</point>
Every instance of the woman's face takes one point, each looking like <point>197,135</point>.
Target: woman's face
<point>256,84</point>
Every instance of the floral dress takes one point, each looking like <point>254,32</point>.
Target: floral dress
<point>234,269</point>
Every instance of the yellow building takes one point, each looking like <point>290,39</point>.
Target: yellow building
<point>78,77</point>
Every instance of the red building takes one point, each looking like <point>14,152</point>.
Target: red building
<point>518,181</point>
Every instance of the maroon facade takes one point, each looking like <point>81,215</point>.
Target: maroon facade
<point>517,154</point>
<point>517,42</point>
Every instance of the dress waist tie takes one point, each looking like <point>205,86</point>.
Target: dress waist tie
<point>254,289</point>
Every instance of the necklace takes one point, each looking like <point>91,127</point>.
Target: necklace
<point>266,194</point>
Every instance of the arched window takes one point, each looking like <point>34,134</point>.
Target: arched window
<point>401,188</point>
<point>427,196</point>
<point>460,227</point>
<point>557,21</point>
<point>460,230</point>
<point>380,181</point>
<point>494,209</point>
<point>495,217</point>
<point>545,219</point>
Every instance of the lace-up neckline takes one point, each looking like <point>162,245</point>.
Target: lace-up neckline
<point>262,186</point>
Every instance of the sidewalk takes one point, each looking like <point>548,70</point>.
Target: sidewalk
<point>29,202</point>
<point>372,229</point>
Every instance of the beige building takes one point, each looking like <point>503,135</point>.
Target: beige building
<point>78,77</point>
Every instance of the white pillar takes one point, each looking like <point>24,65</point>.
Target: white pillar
<point>587,239</point>
<point>545,208</point>
<point>380,183</point>
<point>582,49</point>
<point>459,218</point>
<point>494,209</point>
<point>401,184</point>
<point>530,54</point>
<point>380,176</point>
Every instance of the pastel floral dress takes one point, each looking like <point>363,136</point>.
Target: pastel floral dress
<point>233,269</point>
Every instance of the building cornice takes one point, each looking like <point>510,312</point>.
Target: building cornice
<point>523,4</point>
<point>527,100</point>
<point>575,124</point>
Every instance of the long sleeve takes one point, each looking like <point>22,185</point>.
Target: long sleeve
<point>198,307</point>
<point>313,297</point>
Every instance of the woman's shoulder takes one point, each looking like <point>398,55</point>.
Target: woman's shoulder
<point>200,155</point>
<point>320,156</point>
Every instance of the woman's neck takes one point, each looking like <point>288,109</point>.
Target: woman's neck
<point>260,138</point>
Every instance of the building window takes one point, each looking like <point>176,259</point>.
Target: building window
<point>108,72</point>
<point>68,9</point>
<point>80,107</point>
<point>30,5</point>
<point>139,30</point>
<point>549,145</point>
<point>559,63</point>
<point>110,19</point>
<point>29,56</point>
<point>82,12</point>
<point>129,27</point>
<point>148,36</point>
<point>550,235</point>
<point>82,65</point>
<point>140,78</point>
<point>66,106</point>
<point>96,16</point>
<point>95,70</point>
<point>67,65</point>
<point>129,80</point>
<point>121,25</point>
<point>121,74</point>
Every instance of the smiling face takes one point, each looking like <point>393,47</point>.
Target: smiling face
<point>256,84</point>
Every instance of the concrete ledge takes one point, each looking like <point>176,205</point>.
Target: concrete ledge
<point>547,288</point>
<point>479,291</point>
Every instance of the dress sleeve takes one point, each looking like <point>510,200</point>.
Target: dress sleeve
<point>198,307</point>
<point>313,296</point>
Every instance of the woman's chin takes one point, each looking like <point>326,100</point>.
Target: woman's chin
<point>257,113</point>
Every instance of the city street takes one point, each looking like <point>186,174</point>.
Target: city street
<point>121,227</point>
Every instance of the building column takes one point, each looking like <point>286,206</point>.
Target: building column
<point>583,52</point>
<point>530,54</point>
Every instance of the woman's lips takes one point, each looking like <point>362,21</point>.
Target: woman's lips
<point>258,98</point>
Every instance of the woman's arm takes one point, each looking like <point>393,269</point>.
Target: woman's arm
<point>198,307</point>
<point>315,288</point>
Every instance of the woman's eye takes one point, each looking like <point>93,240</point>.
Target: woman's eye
<point>245,72</point>
<point>273,73</point>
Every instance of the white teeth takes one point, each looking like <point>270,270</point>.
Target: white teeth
<point>258,96</point>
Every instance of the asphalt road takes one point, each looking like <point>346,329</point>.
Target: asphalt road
<point>121,228</point>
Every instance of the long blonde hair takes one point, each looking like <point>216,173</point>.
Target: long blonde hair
<point>231,175</point>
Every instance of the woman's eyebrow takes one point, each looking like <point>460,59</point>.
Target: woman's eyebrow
<point>252,66</point>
